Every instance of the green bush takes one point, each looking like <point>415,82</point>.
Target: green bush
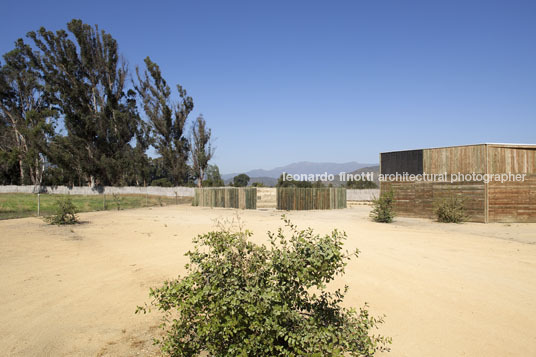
<point>244,299</point>
<point>382,207</point>
<point>451,210</point>
<point>65,212</point>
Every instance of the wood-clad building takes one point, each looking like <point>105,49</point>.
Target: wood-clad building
<point>496,181</point>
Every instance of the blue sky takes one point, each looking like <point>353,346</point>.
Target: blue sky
<point>286,81</point>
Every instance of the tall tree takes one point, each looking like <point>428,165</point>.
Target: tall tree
<point>213,177</point>
<point>88,78</point>
<point>202,150</point>
<point>167,120</point>
<point>26,115</point>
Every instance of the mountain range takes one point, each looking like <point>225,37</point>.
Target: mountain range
<point>269,177</point>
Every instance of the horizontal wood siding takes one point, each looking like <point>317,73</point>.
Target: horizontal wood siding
<point>512,201</point>
<point>227,197</point>
<point>464,159</point>
<point>419,199</point>
<point>291,198</point>
<point>492,202</point>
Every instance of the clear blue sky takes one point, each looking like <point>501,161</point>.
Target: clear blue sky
<point>286,81</point>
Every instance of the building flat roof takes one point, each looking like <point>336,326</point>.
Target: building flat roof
<point>506,145</point>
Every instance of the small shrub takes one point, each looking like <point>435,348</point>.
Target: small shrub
<point>65,212</point>
<point>244,299</point>
<point>451,210</point>
<point>382,207</point>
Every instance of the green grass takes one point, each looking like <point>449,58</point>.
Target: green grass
<point>17,205</point>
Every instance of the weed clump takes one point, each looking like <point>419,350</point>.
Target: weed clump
<point>451,210</point>
<point>65,212</point>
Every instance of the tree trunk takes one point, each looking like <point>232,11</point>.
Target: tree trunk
<point>21,167</point>
<point>200,179</point>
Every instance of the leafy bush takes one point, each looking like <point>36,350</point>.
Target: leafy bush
<point>382,207</point>
<point>451,210</point>
<point>65,212</point>
<point>244,299</point>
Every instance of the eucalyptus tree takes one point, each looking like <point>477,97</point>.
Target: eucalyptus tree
<point>213,177</point>
<point>88,77</point>
<point>202,150</point>
<point>26,115</point>
<point>167,120</point>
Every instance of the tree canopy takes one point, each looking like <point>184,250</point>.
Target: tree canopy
<point>241,180</point>
<point>70,114</point>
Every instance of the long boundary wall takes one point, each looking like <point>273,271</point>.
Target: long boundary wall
<point>266,196</point>
<point>127,190</point>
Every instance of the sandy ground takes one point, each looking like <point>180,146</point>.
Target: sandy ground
<point>447,290</point>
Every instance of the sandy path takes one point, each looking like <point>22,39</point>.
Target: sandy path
<point>447,290</point>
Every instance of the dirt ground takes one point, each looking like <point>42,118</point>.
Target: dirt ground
<point>447,290</point>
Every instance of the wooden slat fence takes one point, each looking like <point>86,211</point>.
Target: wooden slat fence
<point>291,198</point>
<point>227,197</point>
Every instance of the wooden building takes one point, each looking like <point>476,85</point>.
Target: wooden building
<point>496,181</point>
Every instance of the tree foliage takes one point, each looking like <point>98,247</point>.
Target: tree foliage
<point>281,182</point>
<point>213,177</point>
<point>202,150</point>
<point>82,68</point>
<point>243,299</point>
<point>241,180</point>
<point>167,120</point>
<point>26,115</point>
<point>69,114</point>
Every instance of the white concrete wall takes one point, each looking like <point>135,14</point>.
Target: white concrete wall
<point>266,196</point>
<point>150,190</point>
<point>367,194</point>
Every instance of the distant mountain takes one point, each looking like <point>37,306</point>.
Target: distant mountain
<point>375,170</point>
<point>303,167</point>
